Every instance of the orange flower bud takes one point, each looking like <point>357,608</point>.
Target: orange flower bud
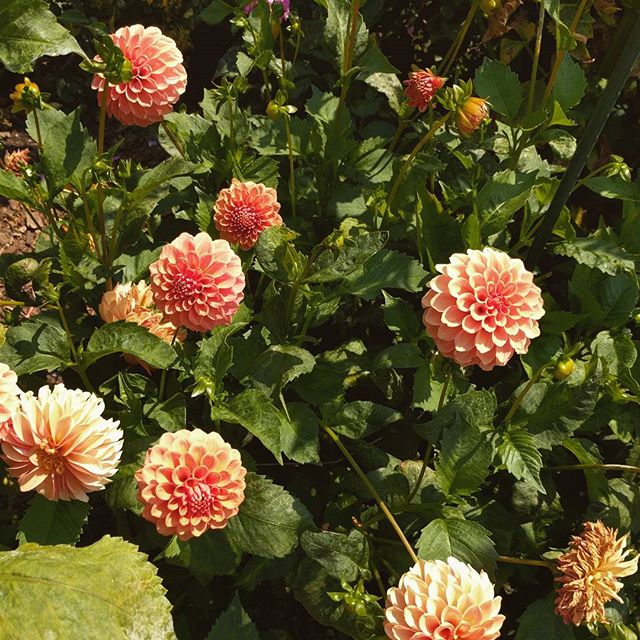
<point>471,114</point>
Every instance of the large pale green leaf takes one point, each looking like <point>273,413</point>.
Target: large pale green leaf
<point>499,85</point>
<point>53,521</point>
<point>13,187</point>
<point>598,253</point>
<point>106,590</point>
<point>462,539</point>
<point>28,31</point>
<point>234,624</point>
<point>270,520</point>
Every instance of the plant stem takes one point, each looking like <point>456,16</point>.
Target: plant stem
<point>536,58</point>
<point>176,143</point>
<point>372,490</point>
<point>99,193</point>
<point>72,348</point>
<point>451,55</point>
<point>525,561</point>
<point>416,150</point>
<point>347,61</point>
<point>292,172</point>
<point>36,120</point>
<point>12,303</point>
<point>518,401</point>
<point>599,467</point>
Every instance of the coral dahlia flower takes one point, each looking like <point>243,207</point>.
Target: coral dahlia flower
<point>483,308</point>
<point>60,445</point>
<point>438,600</point>
<point>197,282</point>
<point>16,161</point>
<point>244,211</point>
<point>421,87</point>
<point>191,481</point>
<point>589,571</point>
<point>158,77</point>
<point>9,397</point>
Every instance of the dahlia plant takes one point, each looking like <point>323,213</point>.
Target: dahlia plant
<point>346,349</point>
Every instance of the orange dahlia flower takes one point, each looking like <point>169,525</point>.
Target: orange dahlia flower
<point>197,282</point>
<point>244,211</point>
<point>471,114</point>
<point>191,481</point>
<point>16,161</point>
<point>9,397</point>
<point>482,309</point>
<point>589,571</point>
<point>421,87</point>
<point>59,444</point>
<point>158,77</point>
<point>438,600</point>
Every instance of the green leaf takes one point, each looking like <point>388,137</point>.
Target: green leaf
<point>299,436</point>
<point>542,352</point>
<point>467,541</point>
<point>376,71</point>
<point>155,179</point>
<point>519,454</point>
<point>35,346</point>
<point>216,12</point>
<point>234,624</point>
<point>276,255</point>
<point>597,253</point>
<point>170,414</point>
<point>279,365</point>
<point>499,85</point>
<point>207,556</point>
<point>28,31</point>
<point>13,187</point>
<point>361,417</point>
<point>338,28</point>
<point>617,350</point>
<point>540,621</point>
<point>342,556</point>
<point>401,318</point>
<point>130,338</point>
<point>53,521</point>
<point>108,588</point>
<point>613,188</point>
<point>386,270</point>
<point>270,520</point>
<point>570,85</point>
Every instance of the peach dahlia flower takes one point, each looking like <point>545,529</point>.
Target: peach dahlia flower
<point>60,445</point>
<point>438,600</point>
<point>16,161</point>
<point>197,282</point>
<point>9,397</point>
<point>191,481</point>
<point>590,569</point>
<point>421,87</point>
<point>483,308</point>
<point>158,77</point>
<point>244,211</point>
<point>123,299</point>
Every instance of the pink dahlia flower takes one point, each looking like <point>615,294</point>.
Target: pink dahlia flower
<point>9,397</point>
<point>191,482</point>
<point>244,211</point>
<point>158,81</point>
<point>421,87</point>
<point>60,445</point>
<point>483,308</point>
<point>443,601</point>
<point>197,282</point>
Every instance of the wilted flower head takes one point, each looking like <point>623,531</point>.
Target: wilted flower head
<point>285,6</point>
<point>421,87</point>
<point>471,114</point>
<point>16,161</point>
<point>26,96</point>
<point>59,444</point>
<point>9,394</point>
<point>589,572</point>
<point>244,210</point>
<point>197,282</point>
<point>191,481</point>
<point>438,600</point>
<point>158,77</point>
<point>124,298</point>
<point>483,308</point>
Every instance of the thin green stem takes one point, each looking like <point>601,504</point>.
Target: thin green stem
<point>102,121</point>
<point>598,467</point>
<point>174,140</point>
<point>347,60</point>
<point>292,171</point>
<point>536,57</point>
<point>12,303</point>
<point>72,348</point>
<point>372,490</point>
<point>163,375</point>
<point>452,54</point>
<point>89,219</point>
<point>37,123</point>
<point>525,561</point>
<point>518,401</point>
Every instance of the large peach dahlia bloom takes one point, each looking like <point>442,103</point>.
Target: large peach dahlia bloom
<point>197,282</point>
<point>9,393</point>
<point>59,444</point>
<point>590,569</point>
<point>244,211</point>
<point>158,77</point>
<point>483,308</point>
<point>438,600</point>
<point>191,481</point>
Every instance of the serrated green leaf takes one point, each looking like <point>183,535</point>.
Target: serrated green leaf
<point>13,187</point>
<point>361,417</point>
<point>343,556</point>
<point>53,521</point>
<point>276,255</point>
<point>105,590</point>
<point>499,85</point>
<point>540,620</point>
<point>597,253</point>
<point>519,454</point>
<point>279,365</point>
<point>338,28</point>
<point>401,317</point>
<point>613,188</point>
<point>234,624</point>
<point>206,556</point>
<point>270,520</point>
<point>570,85</point>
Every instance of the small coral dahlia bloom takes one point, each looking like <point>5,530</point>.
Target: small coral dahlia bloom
<point>244,211</point>
<point>483,308</point>
<point>421,87</point>
<point>123,299</point>
<point>158,77</point>
<point>191,481</point>
<point>16,161</point>
<point>438,600</point>
<point>197,282</point>
<point>60,445</point>
<point>589,571</point>
<point>9,397</point>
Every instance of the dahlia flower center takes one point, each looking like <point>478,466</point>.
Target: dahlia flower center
<point>185,285</point>
<point>201,498</point>
<point>494,299</point>
<point>49,458</point>
<point>244,218</point>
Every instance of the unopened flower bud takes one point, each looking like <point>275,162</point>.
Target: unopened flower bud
<point>564,368</point>
<point>26,97</point>
<point>471,114</point>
